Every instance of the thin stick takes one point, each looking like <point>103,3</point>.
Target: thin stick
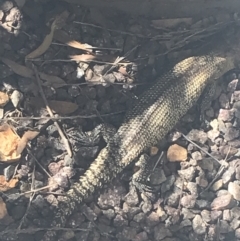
<point>64,139</point>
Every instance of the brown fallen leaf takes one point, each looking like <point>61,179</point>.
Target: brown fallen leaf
<point>44,45</point>
<point>91,57</point>
<point>6,185</point>
<point>58,22</point>
<point>23,71</point>
<point>63,37</point>
<point>17,68</point>
<point>4,99</point>
<point>59,107</point>
<point>170,23</point>
<point>52,80</point>
<point>9,143</point>
<point>5,219</point>
<point>83,57</point>
<point>27,136</point>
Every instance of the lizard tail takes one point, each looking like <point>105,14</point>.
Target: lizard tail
<point>100,172</point>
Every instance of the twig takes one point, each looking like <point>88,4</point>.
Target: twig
<point>214,158</point>
<point>60,117</point>
<point>64,139</point>
<point>39,164</point>
<point>219,173</point>
<point>30,199</point>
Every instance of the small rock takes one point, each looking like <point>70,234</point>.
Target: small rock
<point>153,219</point>
<point>217,185</point>
<point>198,225</point>
<point>166,186</point>
<point>188,201</point>
<point>206,216</point>
<point>206,164</point>
<point>197,155</point>
<point>228,151</point>
<point>154,151</point>
<point>231,134</point>
<point>222,202</point>
<point>234,189</point>
<point>129,233</point>
<point>161,232</point>
<point>54,167</point>
<point>119,221</point>
<point>237,233</point>
<point>132,197</point>
<point>187,174</point>
<point>176,153</point>
<point>236,95</point>
<point>187,214</point>
<point>236,109</point>
<point>16,98</point>
<point>192,187</point>
<point>109,213</point>
<point>157,177</point>
<point>213,134</point>
<point>232,87</point>
<point>222,127</point>
<point>235,212</point>
<point>202,181</point>
<point>215,215</point>
<point>224,227</point>
<point>202,204</point>
<point>112,197</point>
<point>235,223</point>
<point>174,136</point>
<point>141,237</point>
<point>146,206</point>
<point>210,112</point>
<point>224,101</point>
<point>225,115</point>
<point>197,136</point>
<point>227,215</point>
<point>228,175</point>
<point>214,124</point>
<point>173,199</point>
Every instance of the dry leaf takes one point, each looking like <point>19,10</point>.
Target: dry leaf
<point>6,185</point>
<point>5,219</point>
<point>44,45</point>
<point>170,23</point>
<point>9,143</point>
<point>63,107</point>
<point>23,71</point>
<point>83,57</point>
<point>52,80</point>
<point>59,107</point>
<point>4,99</point>
<point>57,23</point>
<point>27,136</point>
<point>90,57</point>
<point>63,37</point>
<point>17,68</point>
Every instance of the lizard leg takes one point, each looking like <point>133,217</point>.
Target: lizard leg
<point>205,101</point>
<point>91,138</point>
<point>140,178</point>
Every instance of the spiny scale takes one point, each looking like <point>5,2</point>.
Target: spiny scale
<point>154,114</point>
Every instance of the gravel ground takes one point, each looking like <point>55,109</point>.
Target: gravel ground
<point>196,196</point>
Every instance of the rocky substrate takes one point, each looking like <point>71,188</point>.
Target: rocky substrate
<point>196,195</point>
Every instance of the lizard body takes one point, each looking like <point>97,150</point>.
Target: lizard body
<point>154,114</point>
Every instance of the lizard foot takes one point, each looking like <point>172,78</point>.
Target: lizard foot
<point>140,178</point>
